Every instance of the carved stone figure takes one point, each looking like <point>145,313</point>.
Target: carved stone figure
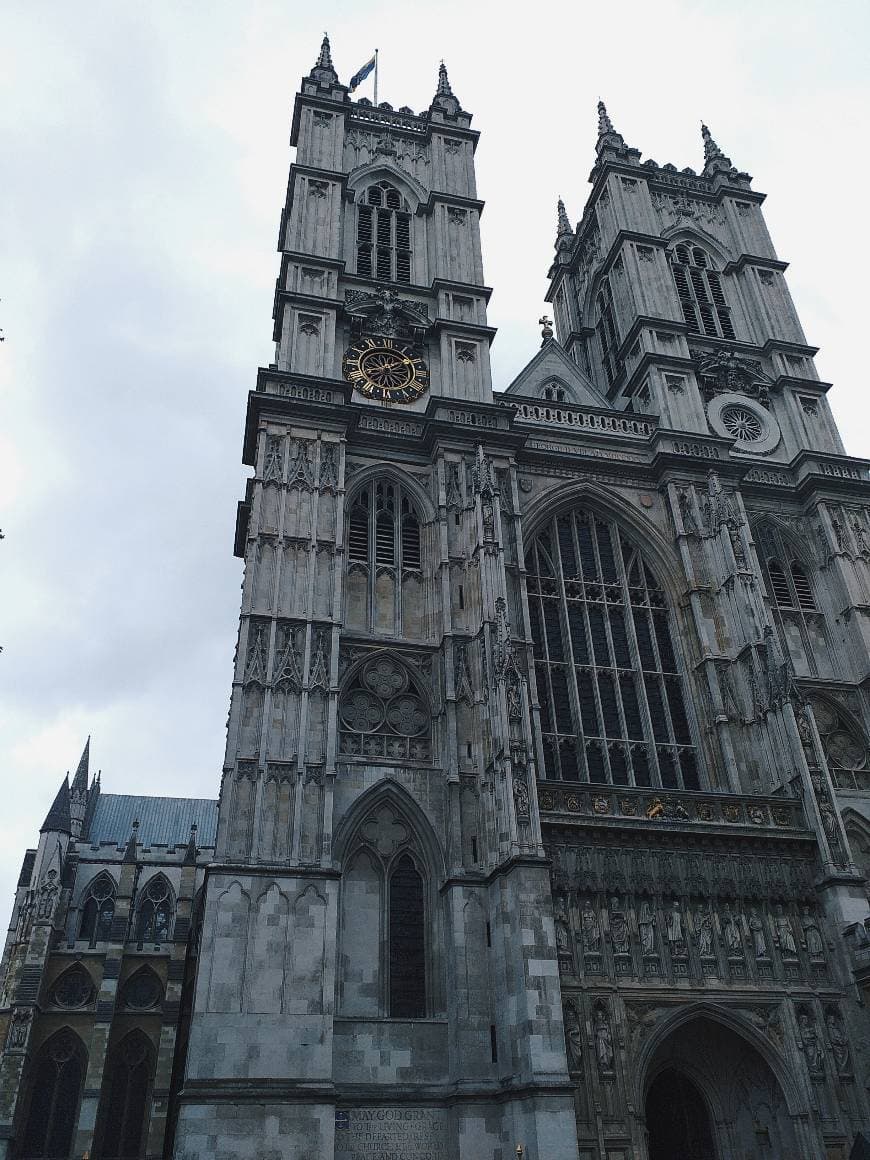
<point>839,1042</point>
<point>646,922</point>
<point>810,1044</point>
<point>48,891</point>
<point>759,940</point>
<point>589,927</point>
<point>603,1041</point>
<point>573,1037</point>
<point>731,931</point>
<point>674,928</point>
<point>704,930</point>
<point>563,933</point>
<point>19,1026</point>
<point>784,934</point>
<point>812,935</point>
<point>619,933</point>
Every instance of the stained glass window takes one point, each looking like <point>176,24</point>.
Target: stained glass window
<point>126,1097</point>
<point>154,916</point>
<point>98,910</point>
<point>54,1101</point>
<point>611,695</point>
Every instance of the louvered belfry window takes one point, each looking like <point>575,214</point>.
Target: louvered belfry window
<point>699,288</point>
<point>797,616</point>
<point>608,335</point>
<point>611,696</point>
<point>383,235</point>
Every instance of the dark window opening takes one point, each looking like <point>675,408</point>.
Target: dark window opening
<point>54,1098</point>
<point>383,236</point>
<point>699,289</point>
<point>126,1099</point>
<point>98,910</point>
<point>154,919</point>
<point>407,942</point>
<point>677,1120</point>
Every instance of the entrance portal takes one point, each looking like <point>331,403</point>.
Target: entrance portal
<point>677,1119</point>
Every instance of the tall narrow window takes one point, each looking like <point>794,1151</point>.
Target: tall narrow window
<point>608,335</point>
<point>55,1091</point>
<point>98,910</point>
<point>154,916</point>
<point>126,1098</point>
<point>611,696</point>
<point>699,288</point>
<point>384,549</point>
<point>793,604</point>
<point>383,235</point>
<point>407,942</point>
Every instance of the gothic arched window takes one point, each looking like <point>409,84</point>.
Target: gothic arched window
<point>55,1091</point>
<point>611,695</point>
<point>125,1098</point>
<point>844,744</point>
<point>142,991</point>
<point>407,965</point>
<point>382,715</point>
<point>699,288</point>
<point>608,334</point>
<point>793,604</point>
<point>385,579</point>
<point>98,910</point>
<point>74,988</point>
<point>383,235</point>
<point>554,393</point>
<point>154,914</point>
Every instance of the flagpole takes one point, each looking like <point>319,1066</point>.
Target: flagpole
<point>376,78</point>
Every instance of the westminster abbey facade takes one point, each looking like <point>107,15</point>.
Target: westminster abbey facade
<point>544,825</point>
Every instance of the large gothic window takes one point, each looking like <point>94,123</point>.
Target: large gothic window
<point>699,288</point>
<point>383,715</point>
<point>55,1090</point>
<point>125,1098</point>
<point>154,913</point>
<point>793,604</point>
<point>844,744</point>
<point>98,910</point>
<point>383,237</point>
<point>608,334</point>
<point>611,696</point>
<point>385,579</point>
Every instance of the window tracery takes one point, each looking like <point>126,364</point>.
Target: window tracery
<point>383,239</point>
<point>55,1091</point>
<point>124,1122</point>
<point>799,621</point>
<point>73,989</point>
<point>98,910</point>
<point>611,696</point>
<point>384,549</point>
<point>154,914</point>
<point>383,715</point>
<point>699,288</point>
<point>844,744</point>
<point>142,991</point>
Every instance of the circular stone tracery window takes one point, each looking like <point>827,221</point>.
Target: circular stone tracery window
<point>752,426</point>
<point>383,716</point>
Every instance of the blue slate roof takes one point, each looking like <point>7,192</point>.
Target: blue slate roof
<point>163,821</point>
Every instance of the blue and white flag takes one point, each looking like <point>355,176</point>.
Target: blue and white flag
<point>358,77</point>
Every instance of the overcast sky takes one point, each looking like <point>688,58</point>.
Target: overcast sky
<point>145,153</point>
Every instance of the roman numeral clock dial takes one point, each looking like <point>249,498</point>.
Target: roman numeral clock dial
<point>381,368</point>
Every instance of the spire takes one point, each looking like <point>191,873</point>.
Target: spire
<point>605,125</point>
<point>444,89</point>
<point>564,225</point>
<point>611,141</point>
<point>57,820</point>
<point>80,781</point>
<point>324,70</point>
<point>715,160</point>
<point>445,99</point>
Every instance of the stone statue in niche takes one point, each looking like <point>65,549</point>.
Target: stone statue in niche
<point>20,1025</point>
<point>619,933</point>
<point>48,891</point>
<point>784,934</point>
<point>674,928</point>
<point>590,927</point>
<point>759,940</point>
<point>704,931</point>
<point>573,1037</point>
<point>839,1042</point>
<point>810,1044</point>
<point>563,934</point>
<point>646,921</point>
<point>812,939</point>
<point>603,1041</point>
<point>731,932</point>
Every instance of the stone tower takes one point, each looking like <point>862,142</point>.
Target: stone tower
<point>379,968</point>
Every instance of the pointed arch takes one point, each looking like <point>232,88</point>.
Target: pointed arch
<point>97,908</point>
<point>142,991</point>
<point>409,484</point>
<point>382,170</point>
<point>696,235</point>
<point>56,1078</point>
<point>698,281</point>
<point>390,793</point>
<point>155,911</point>
<point>123,1114</point>
<point>73,988</point>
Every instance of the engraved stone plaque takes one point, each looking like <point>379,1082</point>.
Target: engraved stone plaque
<point>400,1132</point>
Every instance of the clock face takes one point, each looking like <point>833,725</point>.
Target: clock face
<point>381,368</point>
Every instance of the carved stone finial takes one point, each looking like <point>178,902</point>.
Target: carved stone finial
<point>445,99</point>
<point>715,160</point>
<point>605,125</point>
<point>564,225</point>
<point>444,89</point>
<point>546,326</point>
<point>324,70</point>
<point>325,58</point>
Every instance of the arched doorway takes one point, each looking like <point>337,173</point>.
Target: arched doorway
<point>711,1095</point>
<point>677,1119</point>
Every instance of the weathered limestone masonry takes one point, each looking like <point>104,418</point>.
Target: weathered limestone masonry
<point>545,814</point>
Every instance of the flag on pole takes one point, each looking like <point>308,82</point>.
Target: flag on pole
<point>358,77</point>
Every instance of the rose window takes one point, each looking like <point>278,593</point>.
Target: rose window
<point>844,745</point>
<point>742,424</point>
<point>383,716</point>
<point>73,989</point>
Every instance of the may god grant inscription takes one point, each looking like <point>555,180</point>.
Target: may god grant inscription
<point>390,1133</point>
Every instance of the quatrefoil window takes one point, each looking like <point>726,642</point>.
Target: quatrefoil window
<point>383,715</point>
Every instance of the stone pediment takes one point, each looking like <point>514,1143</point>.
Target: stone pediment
<point>552,375</point>
<point>383,312</point>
